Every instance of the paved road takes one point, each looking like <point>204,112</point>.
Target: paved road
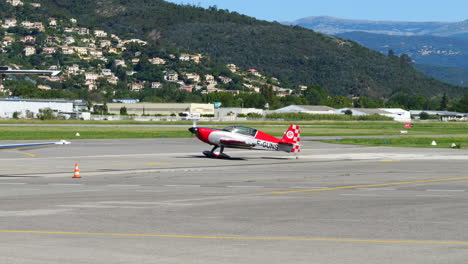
<point>160,201</point>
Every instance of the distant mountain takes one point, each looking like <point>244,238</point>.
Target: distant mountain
<point>430,50</point>
<point>451,75</point>
<point>442,47</point>
<point>333,26</point>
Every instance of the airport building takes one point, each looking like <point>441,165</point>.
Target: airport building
<point>308,109</point>
<point>397,114</point>
<point>231,113</point>
<point>160,109</point>
<point>30,107</point>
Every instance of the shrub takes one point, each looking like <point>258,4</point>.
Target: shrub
<point>423,116</point>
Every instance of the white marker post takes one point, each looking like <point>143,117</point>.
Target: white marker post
<point>194,117</point>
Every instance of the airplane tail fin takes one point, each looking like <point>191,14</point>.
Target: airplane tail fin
<point>292,137</point>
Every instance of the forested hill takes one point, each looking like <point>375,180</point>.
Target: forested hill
<point>293,54</point>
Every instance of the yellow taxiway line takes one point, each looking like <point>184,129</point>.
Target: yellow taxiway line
<point>241,238</point>
<point>370,185</point>
<point>24,153</point>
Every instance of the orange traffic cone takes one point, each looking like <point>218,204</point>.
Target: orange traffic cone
<point>77,172</point>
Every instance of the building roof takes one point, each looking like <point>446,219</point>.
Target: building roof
<point>305,108</point>
<point>439,113</point>
<point>369,111</point>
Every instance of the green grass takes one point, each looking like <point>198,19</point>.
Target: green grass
<point>419,142</point>
<point>323,128</point>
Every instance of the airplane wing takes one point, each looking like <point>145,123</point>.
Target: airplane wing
<point>34,145</point>
<point>236,143</point>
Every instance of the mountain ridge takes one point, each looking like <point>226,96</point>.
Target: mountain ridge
<point>333,25</point>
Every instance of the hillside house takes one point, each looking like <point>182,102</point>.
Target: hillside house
<point>73,69</point>
<point>15,2</point>
<point>196,58</point>
<point>90,76</point>
<point>188,88</point>
<point>232,67</point>
<point>69,40</point>
<point>100,33</point>
<point>171,76</point>
<point>225,80</point>
<point>106,72</point>
<point>156,85</point>
<point>105,43</point>
<point>254,72</point>
<point>9,22</point>
<point>35,5</point>
<point>52,22</point>
<point>39,26</point>
<point>157,61</point>
<point>113,50</point>
<point>209,78</point>
<point>184,57</point>
<point>120,63</point>
<point>52,40</point>
<point>193,77</point>
<point>8,40</point>
<point>81,51</point>
<point>282,92</point>
<point>28,39</point>
<point>96,53</point>
<point>49,50</point>
<point>44,87</point>
<point>27,24</point>
<point>29,50</point>
<point>113,79</point>
<point>137,86</point>
<point>68,50</point>
<point>82,31</point>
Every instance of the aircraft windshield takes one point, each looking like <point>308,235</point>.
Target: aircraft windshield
<point>241,130</point>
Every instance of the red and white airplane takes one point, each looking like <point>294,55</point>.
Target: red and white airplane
<point>246,138</point>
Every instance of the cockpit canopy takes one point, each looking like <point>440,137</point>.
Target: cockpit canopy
<point>248,131</point>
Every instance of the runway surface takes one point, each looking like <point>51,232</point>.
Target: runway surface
<point>161,201</point>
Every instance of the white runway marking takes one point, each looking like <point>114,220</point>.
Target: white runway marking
<point>377,189</point>
<point>242,186</point>
<point>368,195</point>
<point>13,183</point>
<point>181,185</point>
<point>64,184</point>
<point>123,185</point>
<point>437,190</point>
<point>434,195</point>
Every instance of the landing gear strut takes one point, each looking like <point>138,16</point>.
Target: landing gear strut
<point>220,155</point>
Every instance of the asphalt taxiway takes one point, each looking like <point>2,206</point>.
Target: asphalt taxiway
<point>162,201</point>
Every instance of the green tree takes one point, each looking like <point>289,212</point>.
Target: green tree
<point>444,102</point>
<point>123,110</point>
<point>423,116</point>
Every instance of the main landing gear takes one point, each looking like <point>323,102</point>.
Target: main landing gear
<point>213,155</point>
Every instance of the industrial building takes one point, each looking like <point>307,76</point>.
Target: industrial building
<point>308,109</point>
<point>397,114</point>
<point>161,109</point>
<point>30,107</point>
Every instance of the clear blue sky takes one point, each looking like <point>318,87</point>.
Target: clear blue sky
<point>396,10</point>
